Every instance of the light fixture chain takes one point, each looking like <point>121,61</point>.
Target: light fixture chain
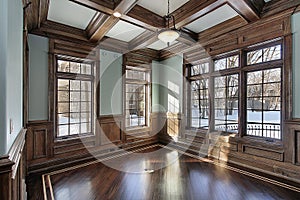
<point>168,7</point>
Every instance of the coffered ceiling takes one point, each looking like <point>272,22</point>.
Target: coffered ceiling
<point>69,13</point>
<point>160,7</point>
<point>92,21</point>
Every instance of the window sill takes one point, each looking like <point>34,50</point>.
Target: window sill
<point>137,129</point>
<point>73,137</point>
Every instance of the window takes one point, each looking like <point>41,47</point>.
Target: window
<point>217,94</point>
<point>226,103</point>
<point>264,55</point>
<point>200,69</point>
<point>137,91</point>
<point>74,97</point>
<point>227,63</point>
<point>264,94</point>
<point>199,104</point>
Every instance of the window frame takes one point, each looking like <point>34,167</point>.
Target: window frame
<point>242,71</point>
<point>75,76</point>
<point>147,98</point>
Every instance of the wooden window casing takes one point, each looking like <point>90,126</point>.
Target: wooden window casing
<point>75,97</point>
<point>137,97</point>
<point>235,65</point>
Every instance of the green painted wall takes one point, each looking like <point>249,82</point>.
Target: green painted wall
<point>156,85</point>
<point>11,78</point>
<point>3,63</point>
<point>110,83</point>
<point>167,85</point>
<point>38,78</point>
<point>296,64</point>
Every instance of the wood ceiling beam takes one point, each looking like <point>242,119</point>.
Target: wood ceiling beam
<point>143,40</point>
<point>145,18</point>
<point>109,21</point>
<point>277,6</point>
<point>98,5</point>
<point>56,30</point>
<point>112,44</point>
<point>187,37</point>
<point>246,9</point>
<point>195,9</point>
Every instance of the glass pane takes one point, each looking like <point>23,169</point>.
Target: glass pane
<point>86,96</point>
<point>254,129</point>
<point>272,117</point>
<point>86,69</point>
<point>85,117</point>
<point>220,114</point>
<point>75,85</point>
<point>195,123</point>
<point>86,85</point>
<point>63,118</point>
<point>254,57</point>
<point>63,130</point>
<point>63,107</point>
<point>233,62</point>
<point>74,107</point>
<point>272,89</point>
<point>63,66</point>
<point>233,80</point>
<point>63,84</point>
<point>74,129</point>
<point>85,128</point>
<point>85,106</point>
<point>195,85</point>
<point>272,53</point>
<point>63,96</point>
<point>220,92</point>
<point>133,74</point>
<point>272,75</point>
<point>271,103</point>
<point>220,82</point>
<point>254,77</point>
<point>220,64</point>
<point>254,91</point>
<point>74,117</point>
<point>195,70</point>
<point>74,67</point>
<point>75,96</point>
<point>254,116</point>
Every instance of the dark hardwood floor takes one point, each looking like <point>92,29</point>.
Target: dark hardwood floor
<point>174,177</point>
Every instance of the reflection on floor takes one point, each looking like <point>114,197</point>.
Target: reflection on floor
<point>156,173</point>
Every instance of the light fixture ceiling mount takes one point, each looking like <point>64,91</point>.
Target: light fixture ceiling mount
<point>168,35</point>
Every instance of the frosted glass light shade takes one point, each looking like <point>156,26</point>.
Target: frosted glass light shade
<point>168,35</point>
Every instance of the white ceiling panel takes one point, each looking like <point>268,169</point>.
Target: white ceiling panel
<point>69,13</point>
<point>160,7</point>
<point>216,17</point>
<point>159,45</point>
<point>124,31</point>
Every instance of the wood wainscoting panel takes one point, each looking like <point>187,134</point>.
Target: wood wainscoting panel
<point>111,132</point>
<point>39,140</point>
<point>291,138</point>
<point>40,143</point>
<point>261,152</point>
<point>111,129</point>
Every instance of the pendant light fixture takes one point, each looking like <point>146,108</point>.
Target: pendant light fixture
<point>168,35</point>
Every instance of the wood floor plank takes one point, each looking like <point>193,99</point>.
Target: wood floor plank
<point>175,176</point>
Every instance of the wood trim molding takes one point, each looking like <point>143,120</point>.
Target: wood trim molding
<point>16,150</point>
<point>11,166</point>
